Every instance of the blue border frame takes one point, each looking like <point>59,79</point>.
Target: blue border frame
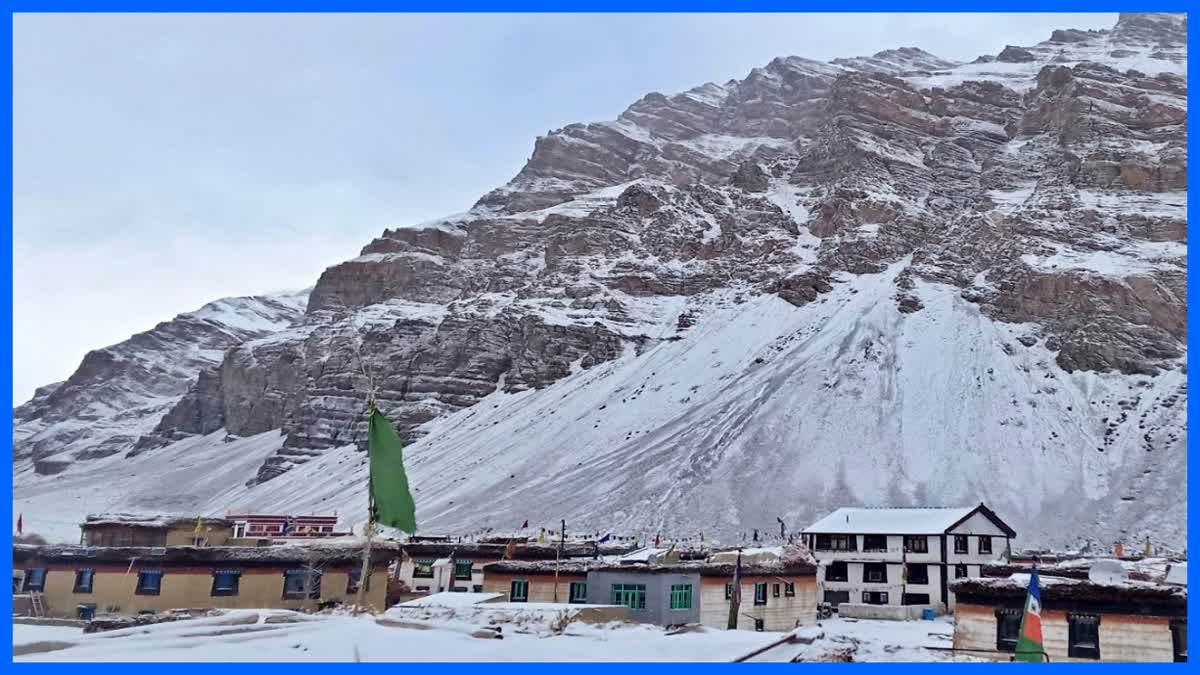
<point>463,6</point>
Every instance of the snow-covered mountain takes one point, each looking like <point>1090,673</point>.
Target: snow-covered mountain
<point>889,279</point>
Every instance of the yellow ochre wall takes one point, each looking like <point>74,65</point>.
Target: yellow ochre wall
<point>189,588</point>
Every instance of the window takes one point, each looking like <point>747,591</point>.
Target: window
<point>837,571</point>
<point>760,593</point>
<point>632,596</point>
<point>874,542</point>
<point>352,580</point>
<point>985,544</point>
<point>477,588</point>
<point>916,544</point>
<point>149,582</point>
<point>422,589</point>
<point>1008,629</point>
<point>875,573</point>
<point>296,581</point>
<point>759,625</point>
<point>960,543</point>
<point>789,590</point>
<point>35,579</point>
<point>836,542</point>
<point>578,592</point>
<point>775,590</point>
<point>837,597</point>
<point>462,570</point>
<point>1083,636</point>
<point>960,571</point>
<point>918,574</point>
<point>239,530</point>
<point>83,580</point>
<point>85,611</point>
<point>874,598</point>
<point>728,591</point>
<point>422,569</point>
<point>225,582</point>
<point>519,591</point>
<point>681,596</point>
<point>914,599</point>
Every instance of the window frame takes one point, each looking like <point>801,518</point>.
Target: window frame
<point>27,587</point>
<point>867,595</point>
<point>789,589</point>
<point>91,581</point>
<point>872,543</point>
<point>961,571</point>
<point>681,597</point>
<point>910,599</point>
<point>841,564</point>
<point>1074,650</point>
<point>512,590</point>
<point>303,575</point>
<point>1008,616</point>
<point>352,579</point>
<point>872,567</point>
<point>910,541</point>
<point>839,597</point>
<point>418,564</point>
<point>632,596</point>
<point>470,570</point>
<point>572,598</point>
<point>963,539</point>
<point>229,592</point>
<point>728,590</point>
<point>985,549</point>
<point>911,578</point>
<point>760,585</point>
<point>141,588</point>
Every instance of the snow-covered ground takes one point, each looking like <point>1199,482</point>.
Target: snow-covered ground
<point>276,635</point>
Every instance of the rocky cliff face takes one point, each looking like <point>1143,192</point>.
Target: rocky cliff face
<point>1038,196</point>
<point>119,392</point>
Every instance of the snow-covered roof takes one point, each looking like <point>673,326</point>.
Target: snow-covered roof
<point>1177,574</point>
<point>1054,588</point>
<point>904,520</point>
<point>151,521</point>
<point>452,600</point>
<point>183,555</point>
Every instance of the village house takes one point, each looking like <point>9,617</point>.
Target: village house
<point>81,581</point>
<point>421,563</point>
<point>664,590</point>
<point>1125,619</point>
<point>122,529</point>
<point>897,557</point>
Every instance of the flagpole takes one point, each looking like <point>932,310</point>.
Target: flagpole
<point>368,529</point>
<point>562,540</point>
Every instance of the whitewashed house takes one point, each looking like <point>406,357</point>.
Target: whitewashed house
<point>902,556</point>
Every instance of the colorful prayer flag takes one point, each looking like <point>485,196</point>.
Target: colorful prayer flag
<point>1029,639</point>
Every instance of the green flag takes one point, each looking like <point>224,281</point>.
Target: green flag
<point>394,504</point>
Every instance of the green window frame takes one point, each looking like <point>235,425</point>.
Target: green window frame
<point>519,591</point>
<point>681,596</point>
<point>422,569</point>
<point>760,593</point>
<point>728,590</point>
<point>462,569</point>
<point>578,592</point>
<point>632,596</point>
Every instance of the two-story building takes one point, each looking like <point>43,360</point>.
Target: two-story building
<point>903,556</point>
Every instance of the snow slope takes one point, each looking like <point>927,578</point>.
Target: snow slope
<point>830,404</point>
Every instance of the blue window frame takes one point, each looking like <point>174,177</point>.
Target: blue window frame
<point>149,582</point>
<point>225,582</point>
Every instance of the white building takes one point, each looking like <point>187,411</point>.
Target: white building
<point>862,553</point>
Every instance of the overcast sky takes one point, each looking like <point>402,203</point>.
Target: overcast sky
<point>163,161</point>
